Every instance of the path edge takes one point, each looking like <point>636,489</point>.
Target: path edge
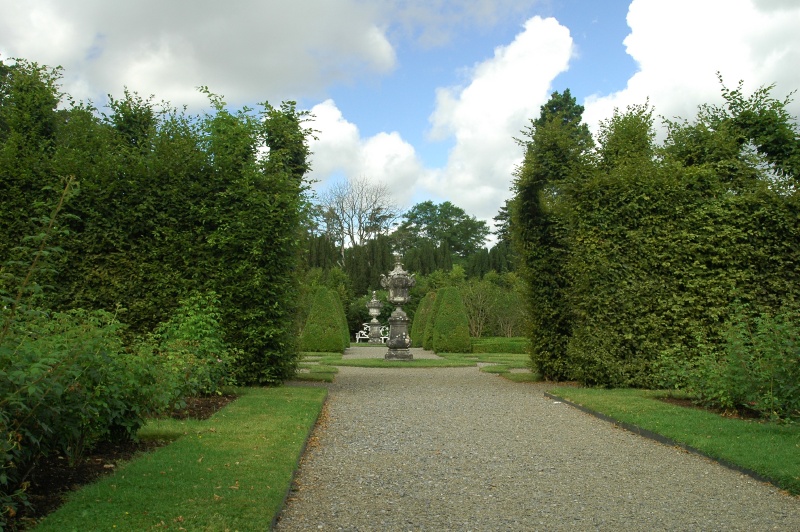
<point>300,455</point>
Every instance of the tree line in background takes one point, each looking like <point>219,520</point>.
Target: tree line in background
<point>671,264</point>
<point>356,230</point>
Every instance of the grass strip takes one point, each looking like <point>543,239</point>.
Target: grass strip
<point>230,472</point>
<point>415,363</point>
<point>770,450</point>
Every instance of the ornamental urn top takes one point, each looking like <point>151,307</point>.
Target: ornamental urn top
<point>374,305</point>
<point>398,283</point>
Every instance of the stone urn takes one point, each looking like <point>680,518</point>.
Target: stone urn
<point>398,282</point>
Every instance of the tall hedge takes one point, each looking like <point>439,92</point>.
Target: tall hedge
<point>167,204</point>
<point>325,329</point>
<point>451,326</point>
<point>421,319</point>
<point>654,245</point>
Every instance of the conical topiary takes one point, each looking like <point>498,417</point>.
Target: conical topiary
<point>421,318</point>
<point>451,326</point>
<point>427,337</point>
<point>325,330</point>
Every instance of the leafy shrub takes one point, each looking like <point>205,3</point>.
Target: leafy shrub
<point>451,326</point>
<point>325,330</point>
<point>421,319</point>
<point>192,347</point>
<point>758,370</point>
<point>65,384</point>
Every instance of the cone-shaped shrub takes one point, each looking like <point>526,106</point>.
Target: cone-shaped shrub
<point>451,326</point>
<point>325,329</point>
<point>337,300</point>
<point>421,319</point>
<point>427,337</point>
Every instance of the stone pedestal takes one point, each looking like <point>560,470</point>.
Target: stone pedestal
<point>375,332</point>
<point>399,339</point>
<point>398,282</point>
<point>374,308</point>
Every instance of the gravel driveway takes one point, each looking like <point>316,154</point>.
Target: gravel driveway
<point>457,449</point>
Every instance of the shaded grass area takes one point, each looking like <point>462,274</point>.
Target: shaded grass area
<point>230,472</point>
<point>770,450</point>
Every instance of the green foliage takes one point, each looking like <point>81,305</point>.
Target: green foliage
<point>364,264</point>
<point>556,158</point>
<point>519,345</point>
<point>450,324</point>
<point>758,369</point>
<point>192,347</point>
<point>421,319</point>
<point>639,250</point>
<point>326,328</point>
<point>427,336</point>
<point>171,204</point>
<point>30,184</point>
<point>65,384</point>
<point>442,225</point>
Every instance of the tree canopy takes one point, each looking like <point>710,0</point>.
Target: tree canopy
<point>444,224</point>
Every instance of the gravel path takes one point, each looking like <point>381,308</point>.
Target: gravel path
<point>456,449</point>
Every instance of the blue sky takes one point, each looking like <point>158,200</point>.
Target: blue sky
<point>423,96</point>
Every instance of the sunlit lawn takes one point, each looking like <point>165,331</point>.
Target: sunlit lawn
<point>230,472</point>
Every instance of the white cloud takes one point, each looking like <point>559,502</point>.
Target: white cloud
<point>503,93</point>
<point>680,45</point>
<point>483,117</point>
<point>383,158</point>
<point>246,50</point>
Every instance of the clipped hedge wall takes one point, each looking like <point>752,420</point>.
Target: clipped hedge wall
<point>421,319</point>
<point>326,328</point>
<point>451,325</point>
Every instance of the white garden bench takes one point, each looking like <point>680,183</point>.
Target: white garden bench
<point>363,334</point>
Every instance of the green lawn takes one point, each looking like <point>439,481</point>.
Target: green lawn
<point>771,450</point>
<point>230,472</point>
<point>321,366</point>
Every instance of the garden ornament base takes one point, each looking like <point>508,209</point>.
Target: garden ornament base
<point>398,282</point>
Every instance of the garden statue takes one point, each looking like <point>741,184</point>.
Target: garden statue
<point>374,306</point>
<point>398,282</point>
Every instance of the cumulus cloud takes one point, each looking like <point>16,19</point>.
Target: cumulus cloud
<point>246,50</point>
<point>680,45</point>
<point>485,115</point>
<point>340,150</point>
<point>482,117</point>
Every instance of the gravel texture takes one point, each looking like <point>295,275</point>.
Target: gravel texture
<point>457,449</point>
